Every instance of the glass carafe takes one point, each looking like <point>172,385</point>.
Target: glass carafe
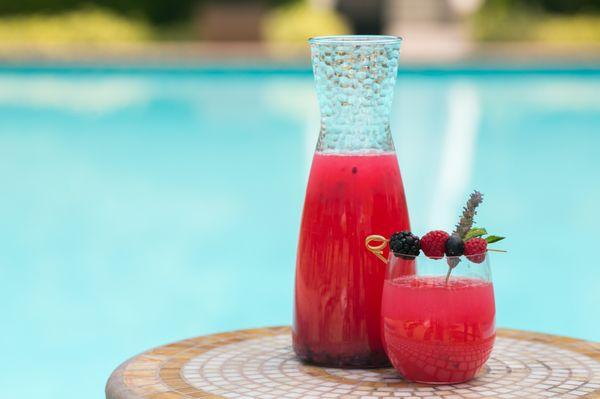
<point>354,189</point>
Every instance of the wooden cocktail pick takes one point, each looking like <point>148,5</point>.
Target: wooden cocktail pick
<point>377,249</point>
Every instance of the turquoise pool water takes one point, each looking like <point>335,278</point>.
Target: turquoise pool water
<point>140,207</point>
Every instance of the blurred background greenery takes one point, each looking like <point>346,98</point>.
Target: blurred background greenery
<point>538,20</point>
<point>40,22</point>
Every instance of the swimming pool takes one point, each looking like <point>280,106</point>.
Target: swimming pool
<point>141,206</point>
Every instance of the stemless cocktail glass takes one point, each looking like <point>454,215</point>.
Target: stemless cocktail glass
<point>438,331</point>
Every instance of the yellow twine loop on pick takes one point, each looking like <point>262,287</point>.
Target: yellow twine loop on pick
<point>377,249</point>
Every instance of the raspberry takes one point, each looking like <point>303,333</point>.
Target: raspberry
<point>475,249</point>
<point>433,244</point>
<point>455,246</point>
<point>405,245</point>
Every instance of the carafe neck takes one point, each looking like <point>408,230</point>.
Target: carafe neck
<point>355,78</point>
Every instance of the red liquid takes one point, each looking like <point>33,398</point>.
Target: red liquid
<point>338,282</point>
<point>438,333</point>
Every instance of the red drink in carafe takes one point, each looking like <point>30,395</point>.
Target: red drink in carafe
<point>339,283</point>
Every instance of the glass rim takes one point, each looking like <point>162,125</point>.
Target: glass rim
<point>422,255</point>
<point>356,39</point>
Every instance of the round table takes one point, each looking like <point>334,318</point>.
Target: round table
<point>261,364</point>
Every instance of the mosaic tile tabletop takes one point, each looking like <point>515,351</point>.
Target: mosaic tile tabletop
<point>261,364</point>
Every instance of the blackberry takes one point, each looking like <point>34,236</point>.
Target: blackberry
<point>405,244</point>
<point>455,246</point>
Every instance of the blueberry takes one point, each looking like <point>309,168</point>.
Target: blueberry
<point>455,246</point>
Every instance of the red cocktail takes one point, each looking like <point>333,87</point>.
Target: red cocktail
<point>338,283</point>
<point>439,331</point>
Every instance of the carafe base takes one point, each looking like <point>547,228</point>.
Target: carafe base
<point>370,360</point>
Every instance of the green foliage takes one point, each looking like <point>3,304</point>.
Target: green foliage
<point>538,20</point>
<point>89,26</point>
<point>155,11</point>
<point>503,20</point>
<point>548,6</point>
<point>570,6</point>
<point>493,239</point>
<point>299,22</point>
<point>475,232</point>
<point>582,29</point>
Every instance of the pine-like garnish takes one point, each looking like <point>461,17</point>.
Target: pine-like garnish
<point>469,211</point>
<point>464,225</point>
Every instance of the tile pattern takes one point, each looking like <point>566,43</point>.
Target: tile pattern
<point>260,364</point>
